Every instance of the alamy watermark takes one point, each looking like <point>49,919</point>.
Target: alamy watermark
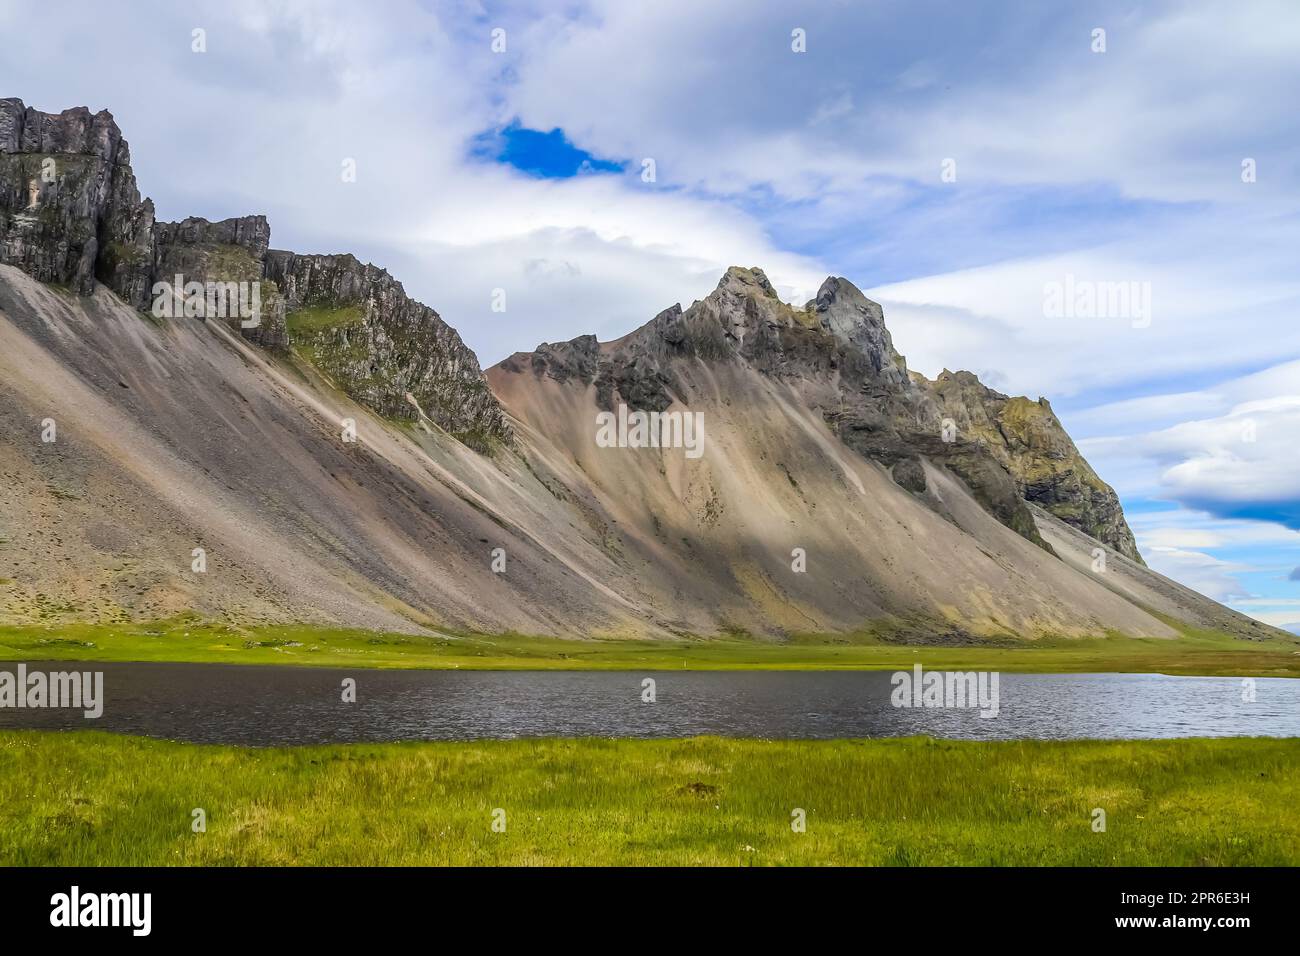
<point>209,300</point>
<point>60,689</point>
<point>75,908</point>
<point>1085,299</point>
<point>948,689</point>
<point>651,430</point>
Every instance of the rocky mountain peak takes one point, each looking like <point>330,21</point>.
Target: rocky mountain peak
<point>70,212</point>
<point>838,352</point>
<point>856,320</point>
<point>74,131</point>
<point>740,280</point>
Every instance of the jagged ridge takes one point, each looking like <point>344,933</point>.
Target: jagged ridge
<point>71,214</point>
<point>837,351</point>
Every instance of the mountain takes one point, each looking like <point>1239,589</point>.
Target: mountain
<point>71,215</point>
<point>343,459</point>
<point>922,507</point>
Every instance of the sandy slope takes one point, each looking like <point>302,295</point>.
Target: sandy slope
<point>1143,586</point>
<point>715,535</point>
<point>183,437</point>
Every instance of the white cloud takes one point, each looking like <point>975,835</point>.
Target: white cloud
<point>1288,620</point>
<point>263,121</point>
<point>1202,572</point>
<point>1209,311</point>
<point>1247,456</point>
<point>560,284</point>
<point>1168,111</point>
<point>1172,539</point>
<point>1146,413</point>
<point>1183,528</point>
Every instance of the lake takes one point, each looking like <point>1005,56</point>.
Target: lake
<point>264,706</point>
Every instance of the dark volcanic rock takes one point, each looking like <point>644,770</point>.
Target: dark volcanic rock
<point>69,207</point>
<point>910,474</point>
<point>250,233</point>
<point>232,250</point>
<point>577,359</point>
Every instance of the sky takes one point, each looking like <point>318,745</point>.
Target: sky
<point>1094,202</point>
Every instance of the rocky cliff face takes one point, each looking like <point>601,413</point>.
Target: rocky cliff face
<point>70,211</point>
<point>1027,439</point>
<point>838,354</point>
<point>232,250</point>
<point>356,324</point>
<point>71,215</point>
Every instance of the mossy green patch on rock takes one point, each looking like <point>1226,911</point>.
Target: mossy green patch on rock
<point>303,323</point>
<point>227,262</point>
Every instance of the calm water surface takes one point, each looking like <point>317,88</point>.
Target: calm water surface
<point>262,706</point>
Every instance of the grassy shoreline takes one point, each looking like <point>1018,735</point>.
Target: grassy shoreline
<point>1195,653</point>
<point>92,798</point>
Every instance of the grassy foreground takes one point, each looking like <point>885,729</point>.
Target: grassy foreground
<point>90,798</point>
<point>1196,653</point>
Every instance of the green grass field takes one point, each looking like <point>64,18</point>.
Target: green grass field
<point>184,640</point>
<point>90,798</point>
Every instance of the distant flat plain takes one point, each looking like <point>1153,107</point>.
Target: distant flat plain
<point>1201,653</point>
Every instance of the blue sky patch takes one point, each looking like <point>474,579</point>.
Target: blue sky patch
<point>542,155</point>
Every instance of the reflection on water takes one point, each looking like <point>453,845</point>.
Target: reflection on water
<point>220,703</point>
